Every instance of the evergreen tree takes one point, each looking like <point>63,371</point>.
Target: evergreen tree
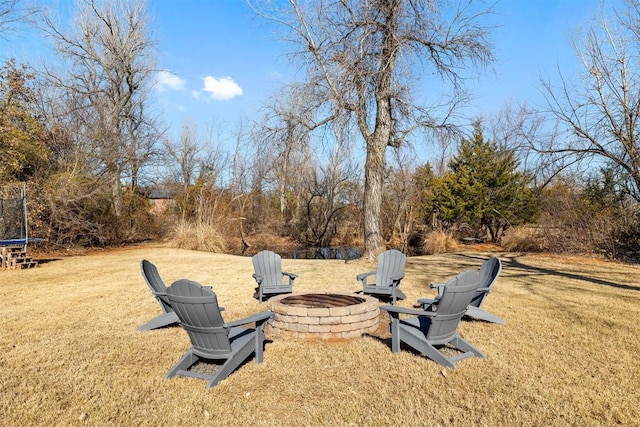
<point>484,188</point>
<point>603,193</point>
<point>424,181</point>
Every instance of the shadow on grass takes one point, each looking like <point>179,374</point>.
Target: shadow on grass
<point>514,264</point>
<point>445,349</point>
<point>381,339</point>
<point>47,260</point>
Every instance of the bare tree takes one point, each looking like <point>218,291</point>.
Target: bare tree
<point>366,59</point>
<point>181,159</point>
<point>110,58</point>
<point>400,201</point>
<point>195,164</point>
<point>518,129</point>
<point>327,195</point>
<point>285,129</point>
<point>183,156</point>
<point>599,113</point>
<point>247,172</point>
<point>213,164</point>
<point>13,13</point>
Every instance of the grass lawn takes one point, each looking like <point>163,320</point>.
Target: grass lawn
<point>70,354</point>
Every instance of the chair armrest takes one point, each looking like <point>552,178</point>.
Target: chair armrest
<point>291,277</point>
<point>428,301</point>
<point>363,277</point>
<point>257,318</point>
<point>257,277</point>
<point>394,309</point>
<point>396,280</point>
<point>440,287</point>
<point>487,290</point>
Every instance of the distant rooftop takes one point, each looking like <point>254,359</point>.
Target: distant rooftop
<point>161,193</point>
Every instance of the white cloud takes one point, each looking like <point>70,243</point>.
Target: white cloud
<point>168,81</point>
<point>222,88</point>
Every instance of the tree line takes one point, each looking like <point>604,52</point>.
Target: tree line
<point>83,135</point>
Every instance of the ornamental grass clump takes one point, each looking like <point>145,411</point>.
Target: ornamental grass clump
<point>197,236</point>
<point>438,242</point>
<point>523,239</point>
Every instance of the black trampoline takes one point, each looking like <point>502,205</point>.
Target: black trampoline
<point>14,235</point>
<point>11,242</point>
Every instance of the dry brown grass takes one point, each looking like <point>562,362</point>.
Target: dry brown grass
<point>523,239</point>
<point>199,237</point>
<point>70,353</point>
<point>439,242</point>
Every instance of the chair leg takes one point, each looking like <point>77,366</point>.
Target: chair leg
<point>436,355</point>
<point>231,364</point>
<point>160,321</point>
<point>394,326</point>
<point>463,345</point>
<point>188,360</point>
<point>419,344</point>
<point>259,343</point>
<point>480,314</point>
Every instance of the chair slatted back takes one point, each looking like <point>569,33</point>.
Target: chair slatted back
<point>390,264</point>
<point>489,271</point>
<point>268,265</point>
<point>452,305</point>
<point>199,314</point>
<point>156,284</point>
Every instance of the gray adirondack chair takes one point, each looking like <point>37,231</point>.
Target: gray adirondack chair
<point>227,344</point>
<point>388,274</point>
<point>158,289</point>
<point>489,272</point>
<point>428,331</point>
<point>269,275</point>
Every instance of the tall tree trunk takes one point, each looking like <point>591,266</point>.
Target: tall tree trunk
<point>373,180</point>
<point>118,204</point>
<point>284,174</point>
<point>378,140</point>
<point>350,48</point>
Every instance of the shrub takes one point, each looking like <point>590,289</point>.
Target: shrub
<point>439,242</point>
<point>524,239</point>
<point>623,239</point>
<point>137,222</point>
<point>196,236</point>
<point>78,210</point>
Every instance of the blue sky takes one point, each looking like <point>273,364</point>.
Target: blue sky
<point>222,39</point>
<point>224,63</point>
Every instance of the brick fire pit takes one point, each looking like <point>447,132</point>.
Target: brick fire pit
<point>323,315</point>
